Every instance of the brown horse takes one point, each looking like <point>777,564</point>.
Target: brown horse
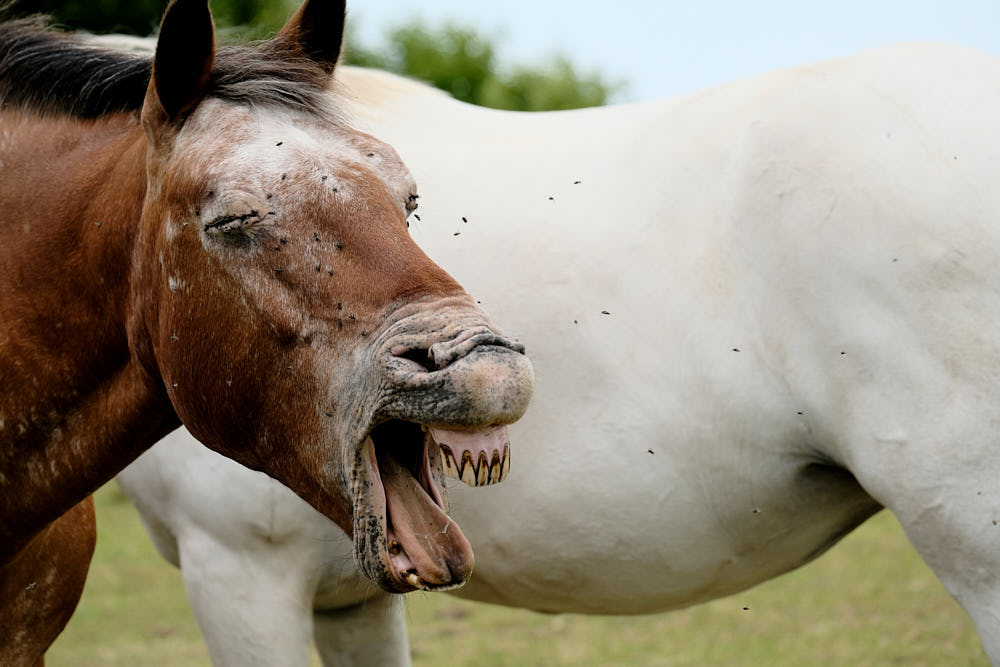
<point>200,238</point>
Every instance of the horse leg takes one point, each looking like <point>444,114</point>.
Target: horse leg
<point>960,540</point>
<point>370,633</point>
<point>40,588</point>
<point>253,605</point>
<point>947,498</point>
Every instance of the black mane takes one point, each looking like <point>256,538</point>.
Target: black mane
<point>52,72</point>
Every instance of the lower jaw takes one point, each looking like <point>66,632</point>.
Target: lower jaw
<point>402,569</point>
<point>388,561</point>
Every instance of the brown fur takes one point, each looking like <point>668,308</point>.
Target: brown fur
<point>80,408</point>
<point>175,267</point>
<point>40,587</point>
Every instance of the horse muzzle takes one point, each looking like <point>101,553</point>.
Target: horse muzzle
<point>449,384</point>
<point>477,379</point>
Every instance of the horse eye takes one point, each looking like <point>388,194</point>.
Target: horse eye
<point>227,224</point>
<point>411,204</point>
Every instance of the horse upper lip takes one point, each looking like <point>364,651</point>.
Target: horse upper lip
<point>441,354</point>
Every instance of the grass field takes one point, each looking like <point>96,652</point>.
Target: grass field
<point>869,601</point>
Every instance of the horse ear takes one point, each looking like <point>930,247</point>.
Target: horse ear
<point>185,54</point>
<point>317,30</point>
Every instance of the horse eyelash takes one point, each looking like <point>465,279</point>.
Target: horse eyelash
<point>227,220</point>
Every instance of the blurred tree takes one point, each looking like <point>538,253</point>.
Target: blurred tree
<point>453,59</point>
<point>136,17</point>
<point>456,59</point>
<point>463,63</point>
<point>255,18</point>
<point>558,86</point>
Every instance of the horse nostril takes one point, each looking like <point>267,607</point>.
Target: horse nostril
<point>419,356</point>
<point>439,356</point>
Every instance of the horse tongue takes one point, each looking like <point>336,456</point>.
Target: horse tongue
<point>433,542</point>
<point>478,457</point>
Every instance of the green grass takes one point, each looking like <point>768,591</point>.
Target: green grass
<point>869,601</point>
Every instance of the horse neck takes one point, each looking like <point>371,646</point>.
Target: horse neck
<point>77,406</point>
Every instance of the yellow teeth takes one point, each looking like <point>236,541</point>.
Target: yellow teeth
<point>468,469</point>
<point>476,473</point>
<point>496,469</point>
<point>483,472</point>
<point>411,577</point>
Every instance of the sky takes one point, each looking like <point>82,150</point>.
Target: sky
<point>668,47</point>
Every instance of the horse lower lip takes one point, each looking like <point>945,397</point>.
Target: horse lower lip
<point>414,580</point>
<point>424,547</point>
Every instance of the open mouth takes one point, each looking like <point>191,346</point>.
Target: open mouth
<point>425,548</point>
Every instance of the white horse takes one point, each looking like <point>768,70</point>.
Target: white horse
<point>758,315</point>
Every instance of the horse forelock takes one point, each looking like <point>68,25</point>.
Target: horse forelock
<point>46,71</point>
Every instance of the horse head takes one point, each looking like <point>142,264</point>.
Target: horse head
<point>296,326</point>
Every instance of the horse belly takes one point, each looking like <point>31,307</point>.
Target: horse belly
<point>650,524</point>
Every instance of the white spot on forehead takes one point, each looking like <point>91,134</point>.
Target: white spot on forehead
<point>254,147</point>
<point>175,283</point>
<point>311,142</point>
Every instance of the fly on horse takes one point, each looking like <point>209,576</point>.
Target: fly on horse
<point>759,314</point>
<point>201,237</point>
